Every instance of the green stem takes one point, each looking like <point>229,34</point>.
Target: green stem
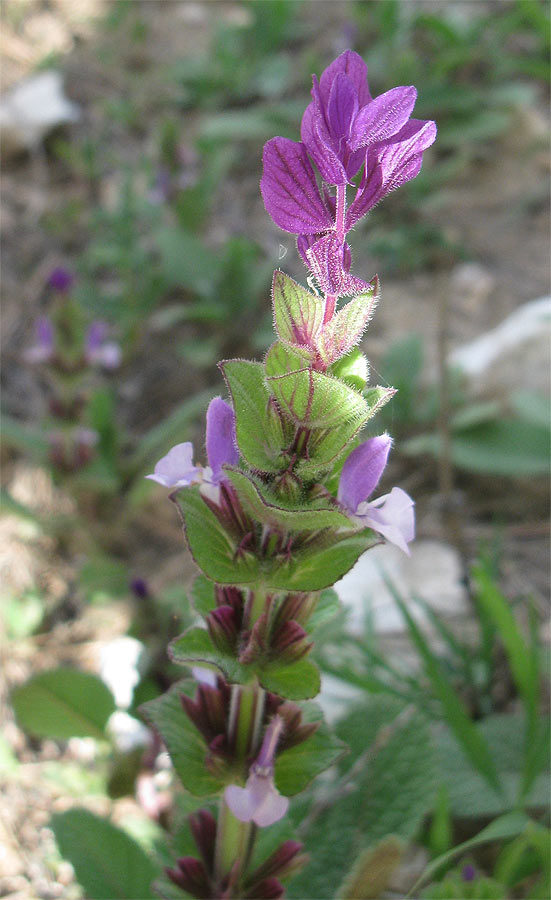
<point>235,839</point>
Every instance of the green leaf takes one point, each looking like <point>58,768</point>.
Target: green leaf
<point>327,608</point>
<point>506,447</point>
<point>269,510</point>
<point>352,369</point>
<point>108,863</point>
<point>214,551</point>
<point>325,445</point>
<point>298,314</point>
<point>399,749</point>
<point>202,596</point>
<point>318,565</point>
<point>469,793</point>
<point>466,732</point>
<point>259,429</point>
<point>195,646</point>
<point>523,662</point>
<point>505,827</point>
<point>317,401</point>
<point>281,359</point>
<point>297,767</point>
<point>63,703</point>
<point>345,329</point>
<point>186,746</point>
<point>297,681</point>
<point>21,437</point>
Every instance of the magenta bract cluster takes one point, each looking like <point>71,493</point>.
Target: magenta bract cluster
<point>344,132</point>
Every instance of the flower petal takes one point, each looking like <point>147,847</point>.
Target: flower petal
<point>318,141</point>
<point>383,117</point>
<point>221,440</point>
<point>362,471</point>
<point>176,469</point>
<point>393,516</point>
<point>342,107</point>
<point>352,65</point>
<point>289,188</point>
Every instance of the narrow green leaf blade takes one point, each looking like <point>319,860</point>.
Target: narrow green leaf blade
<point>472,742</point>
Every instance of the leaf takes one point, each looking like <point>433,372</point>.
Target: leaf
<point>108,863</point>
<point>318,565</point>
<point>508,826</point>
<point>345,329</point>
<point>506,447</point>
<point>326,609</point>
<point>325,445</point>
<point>400,753</point>
<point>63,703</point>
<point>269,510</point>
<point>353,369</point>
<point>317,401</point>
<point>523,662</point>
<point>195,646</point>
<point>281,359</point>
<point>469,794</point>
<point>298,314</point>
<point>295,768</point>
<point>370,876</point>
<point>297,681</point>
<point>466,732</point>
<point>259,431</point>
<point>202,596</point>
<point>214,551</point>
<point>186,746</point>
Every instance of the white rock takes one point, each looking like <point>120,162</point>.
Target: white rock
<point>126,732</point>
<point>433,572</point>
<point>513,356</point>
<point>120,662</point>
<point>31,109</point>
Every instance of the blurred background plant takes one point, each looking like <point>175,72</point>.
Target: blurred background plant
<point>145,186</point>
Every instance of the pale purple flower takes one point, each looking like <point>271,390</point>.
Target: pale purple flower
<point>61,279</point>
<point>177,468</point>
<point>391,515</point>
<point>260,801</point>
<point>98,350</point>
<point>42,350</point>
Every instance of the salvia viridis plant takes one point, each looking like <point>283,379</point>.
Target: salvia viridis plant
<point>288,500</point>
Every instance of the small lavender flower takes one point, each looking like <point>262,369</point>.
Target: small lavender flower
<point>61,279</point>
<point>260,801</point>
<point>177,469</point>
<point>98,351</point>
<point>391,515</point>
<point>42,350</point>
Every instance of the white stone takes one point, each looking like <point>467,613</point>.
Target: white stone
<point>31,109</point>
<point>433,572</point>
<point>120,662</point>
<point>515,355</point>
<point>126,732</point>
